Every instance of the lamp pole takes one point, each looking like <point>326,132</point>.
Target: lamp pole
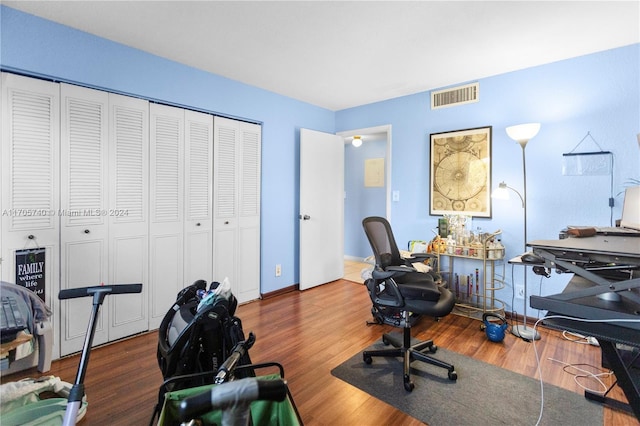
<point>521,330</point>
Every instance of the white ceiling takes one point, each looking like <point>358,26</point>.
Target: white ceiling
<point>338,54</point>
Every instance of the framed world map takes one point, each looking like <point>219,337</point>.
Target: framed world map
<point>461,172</point>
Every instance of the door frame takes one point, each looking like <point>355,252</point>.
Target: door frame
<point>369,131</point>
<point>374,132</point>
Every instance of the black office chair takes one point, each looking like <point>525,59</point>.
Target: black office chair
<point>400,295</point>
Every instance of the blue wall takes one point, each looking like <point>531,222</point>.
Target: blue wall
<point>39,47</point>
<point>361,201</point>
<point>598,93</point>
<point>595,93</point>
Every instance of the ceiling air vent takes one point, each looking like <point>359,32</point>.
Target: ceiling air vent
<point>455,96</point>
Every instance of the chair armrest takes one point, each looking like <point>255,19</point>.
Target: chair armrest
<point>420,256</point>
<point>400,269</point>
<point>392,299</point>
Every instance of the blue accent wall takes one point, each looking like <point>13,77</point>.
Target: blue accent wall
<point>38,47</point>
<point>597,93</point>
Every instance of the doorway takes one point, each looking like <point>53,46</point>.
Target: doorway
<point>362,199</point>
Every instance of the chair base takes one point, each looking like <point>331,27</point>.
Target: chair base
<point>403,348</point>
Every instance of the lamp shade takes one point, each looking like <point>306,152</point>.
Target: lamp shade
<point>501,192</point>
<point>523,132</point>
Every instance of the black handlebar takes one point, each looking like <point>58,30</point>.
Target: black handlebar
<point>72,293</point>
<point>232,395</point>
<point>226,369</point>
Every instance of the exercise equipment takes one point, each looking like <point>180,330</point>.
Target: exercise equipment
<point>495,331</point>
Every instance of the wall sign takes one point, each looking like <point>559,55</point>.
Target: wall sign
<point>30,267</point>
<point>374,173</point>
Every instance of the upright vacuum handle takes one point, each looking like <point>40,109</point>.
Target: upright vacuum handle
<point>72,293</point>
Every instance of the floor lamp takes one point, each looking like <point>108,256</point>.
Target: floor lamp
<point>522,134</point>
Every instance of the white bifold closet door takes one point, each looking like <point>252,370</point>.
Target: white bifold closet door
<point>30,174</point>
<point>103,211</point>
<point>84,243</point>
<point>181,245</point>
<point>128,213</point>
<point>237,179</point>
<point>198,221</point>
<point>167,209</point>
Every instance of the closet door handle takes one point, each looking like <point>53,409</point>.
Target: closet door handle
<point>198,224</point>
<point>86,231</point>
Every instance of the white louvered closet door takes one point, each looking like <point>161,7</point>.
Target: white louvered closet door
<point>237,151</point>
<point>29,163</point>
<point>198,255</point>
<point>166,228</point>
<point>249,212</point>
<point>225,220</point>
<point>84,210</point>
<point>128,212</point>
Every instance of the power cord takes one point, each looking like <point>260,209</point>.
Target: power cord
<point>579,338</point>
<point>535,349</point>
<point>582,373</point>
<point>514,313</point>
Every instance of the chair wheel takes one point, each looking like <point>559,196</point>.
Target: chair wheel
<point>409,386</point>
<point>453,376</point>
<point>367,359</point>
<point>433,349</point>
<point>385,340</point>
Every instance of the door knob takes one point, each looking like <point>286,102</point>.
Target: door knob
<point>86,231</point>
<point>306,217</point>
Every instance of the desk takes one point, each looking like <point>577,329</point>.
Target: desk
<point>606,286</point>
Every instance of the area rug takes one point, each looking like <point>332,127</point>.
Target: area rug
<point>483,394</point>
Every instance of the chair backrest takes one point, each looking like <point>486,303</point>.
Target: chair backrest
<point>383,244</point>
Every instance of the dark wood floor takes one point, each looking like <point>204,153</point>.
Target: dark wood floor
<point>310,333</point>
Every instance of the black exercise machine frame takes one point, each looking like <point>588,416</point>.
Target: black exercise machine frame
<point>606,305</point>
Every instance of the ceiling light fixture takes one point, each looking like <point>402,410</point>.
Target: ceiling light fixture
<point>357,141</point>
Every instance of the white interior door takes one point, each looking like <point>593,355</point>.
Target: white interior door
<point>321,208</point>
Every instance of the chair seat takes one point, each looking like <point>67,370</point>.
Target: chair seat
<point>415,300</point>
<point>424,290</point>
<point>422,277</point>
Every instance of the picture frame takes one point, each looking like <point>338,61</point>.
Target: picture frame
<point>460,178</point>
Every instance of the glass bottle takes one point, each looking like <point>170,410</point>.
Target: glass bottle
<point>499,250</point>
<point>451,244</point>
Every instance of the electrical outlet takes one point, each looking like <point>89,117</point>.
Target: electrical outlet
<point>520,291</point>
<point>278,270</point>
